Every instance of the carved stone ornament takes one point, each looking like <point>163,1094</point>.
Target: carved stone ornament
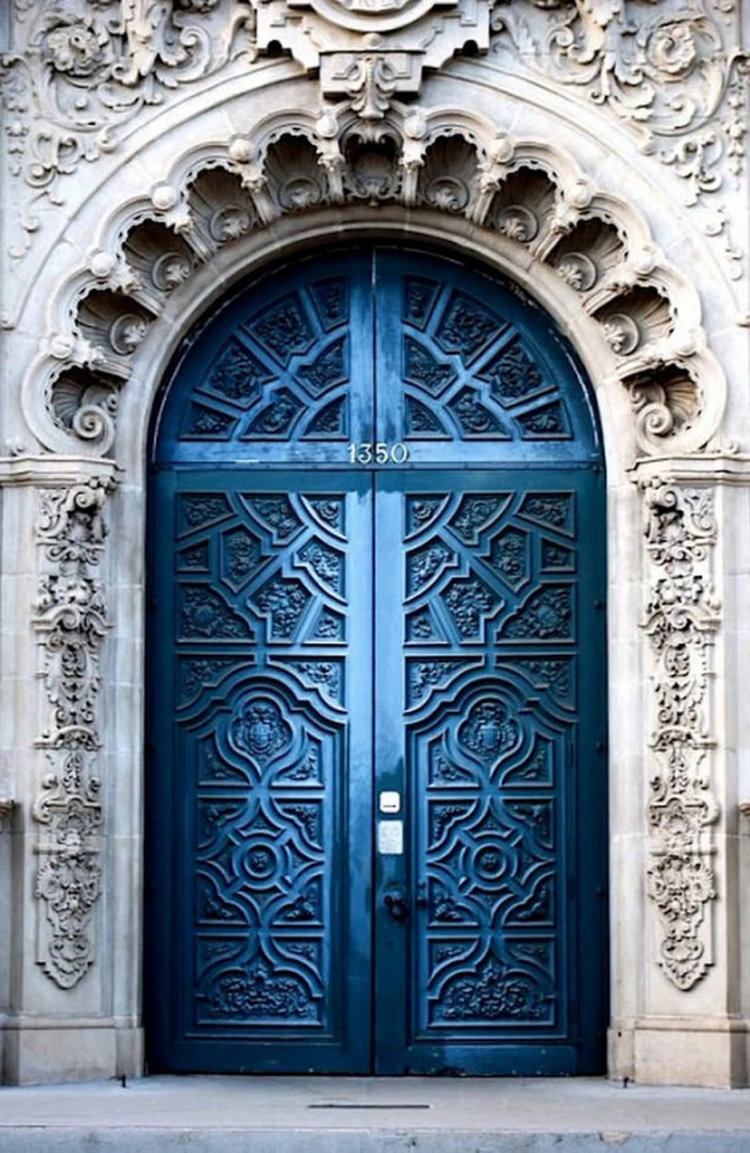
<point>71,621</point>
<point>526,196</point>
<point>682,616</point>
<point>370,50</point>
<point>79,73</point>
<point>674,73</point>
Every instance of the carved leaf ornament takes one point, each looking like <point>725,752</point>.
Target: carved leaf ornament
<point>85,71</point>
<point>673,73</point>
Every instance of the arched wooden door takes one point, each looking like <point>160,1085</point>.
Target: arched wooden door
<point>376,803</point>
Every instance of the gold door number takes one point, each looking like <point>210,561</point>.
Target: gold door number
<point>367,452</point>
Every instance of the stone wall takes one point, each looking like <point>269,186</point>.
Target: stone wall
<point>158,152</point>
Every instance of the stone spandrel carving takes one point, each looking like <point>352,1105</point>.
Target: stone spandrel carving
<point>674,73</point>
<point>681,620</point>
<point>79,72</point>
<point>71,621</point>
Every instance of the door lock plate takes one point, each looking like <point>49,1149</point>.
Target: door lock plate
<point>391,838</point>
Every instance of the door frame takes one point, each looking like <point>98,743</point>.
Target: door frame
<point>501,467</point>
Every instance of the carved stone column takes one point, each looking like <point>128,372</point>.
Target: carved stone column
<point>682,617</point>
<point>71,620</point>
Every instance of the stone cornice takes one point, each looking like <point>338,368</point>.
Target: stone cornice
<point>709,468</point>
<point>33,470</point>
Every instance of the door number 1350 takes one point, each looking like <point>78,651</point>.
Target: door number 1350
<point>367,452</point>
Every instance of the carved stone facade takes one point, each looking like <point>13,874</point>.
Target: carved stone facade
<point>159,151</point>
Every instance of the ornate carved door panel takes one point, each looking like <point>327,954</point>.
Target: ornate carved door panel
<point>377,797</point>
<point>488,718</point>
<point>265,823</point>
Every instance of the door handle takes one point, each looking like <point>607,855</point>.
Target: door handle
<point>397,906</point>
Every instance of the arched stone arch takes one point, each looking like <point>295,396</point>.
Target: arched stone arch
<point>158,255</point>
<point>533,208</point>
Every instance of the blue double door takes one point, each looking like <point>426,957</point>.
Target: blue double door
<point>376,804</point>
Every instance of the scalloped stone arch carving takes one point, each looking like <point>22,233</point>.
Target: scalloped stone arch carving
<point>616,283</point>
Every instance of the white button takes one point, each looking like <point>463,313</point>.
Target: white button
<point>390,802</point>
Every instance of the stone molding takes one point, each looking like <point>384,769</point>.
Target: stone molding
<point>682,616</point>
<point>642,312</point>
<point>6,808</point>
<point>71,620</point>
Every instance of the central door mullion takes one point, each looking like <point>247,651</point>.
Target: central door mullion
<point>387,351</point>
<point>393,911</point>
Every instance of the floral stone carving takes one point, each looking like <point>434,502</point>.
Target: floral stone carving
<point>68,878</point>
<point>673,72</point>
<point>77,74</point>
<point>80,72</point>
<point>71,620</point>
<point>681,620</point>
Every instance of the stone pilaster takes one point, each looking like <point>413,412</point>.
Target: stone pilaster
<point>55,962</point>
<point>685,1020</point>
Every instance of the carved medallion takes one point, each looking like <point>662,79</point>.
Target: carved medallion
<point>488,730</point>
<point>372,15</point>
<point>260,730</point>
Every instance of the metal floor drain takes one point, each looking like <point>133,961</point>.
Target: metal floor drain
<point>362,1105</point>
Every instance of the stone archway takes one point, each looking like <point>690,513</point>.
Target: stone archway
<point>144,267</point>
<point>526,199</point>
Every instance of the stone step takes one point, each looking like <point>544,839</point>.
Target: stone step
<point>371,1115</point>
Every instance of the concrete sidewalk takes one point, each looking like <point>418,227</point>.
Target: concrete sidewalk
<point>369,1115</point>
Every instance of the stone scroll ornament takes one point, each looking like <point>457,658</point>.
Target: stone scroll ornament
<point>682,617</point>
<point>71,621</point>
<point>80,72</point>
<point>674,73</point>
